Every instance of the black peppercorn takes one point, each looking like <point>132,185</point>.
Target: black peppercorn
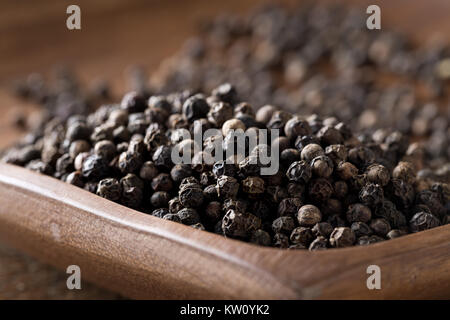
<point>180,171</point>
<point>234,224</point>
<point>160,199</point>
<point>253,186</point>
<point>188,216</point>
<point>195,108</point>
<point>191,197</point>
<point>322,166</point>
<point>227,187</point>
<point>320,190</point>
<point>261,238</point>
<point>75,178</point>
<point>320,243</point>
<point>322,229</point>
<point>162,182</point>
<point>148,171</point>
<point>371,195</point>
<point>110,189</point>
<point>172,217</point>
<point>423,221</point>
<point>162,157</point>
<point>133,102</point>
<point>280,240</point>
<point>289,206</point>
<point>301,235</point>
<point>308,215</point>
<point>132,190</point>
<point>219,113</point>
<point>311,151</point>
<point>361,229</point>
<point>380,226</point>
<point>299,171</point>
<point>284,224</point>
<point>296,127</point>
<point>342,237</point>
<point>358,213</point>
<point>95,167</point>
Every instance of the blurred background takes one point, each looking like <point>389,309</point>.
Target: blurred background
<point>114,36</point>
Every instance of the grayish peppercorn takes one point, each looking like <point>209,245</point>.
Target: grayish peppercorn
<point>308,215</point>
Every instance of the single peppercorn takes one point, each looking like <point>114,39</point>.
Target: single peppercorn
<point>322,229</point>
<point>371,195</point>
<point>301,235</point>
<point>234,224</point>
<point>395,233</point>
<point>160,199</point>
<point>213,212</point>
<point>289,206</point>
<point>284,224</point>
<point>366,240</point>
<point>299,171</point>
<point>188,216</point>
<point>232,124</point>
<point>380,227</point>
<point>342,237</point>
<point>320,190</point>
<point>162,182</point>
<point>77,147</point>
<point>162,157</point>
<point>148,171</point>
<point>75,178</point>
<point>219,113</point>
<point>336,152</point>
<point>129,162</point>
<point>110,189</point>
<point>358,213</point>
<point>175,205</point>
<point>180,171</point>
<point>261,237</point>
<point>133,102</point>
<point>191,197</point>
<point>322,166</point>
<point>346,170</point>
<point>253,186</point>
<point>423,221</point>
<point>308,215</point>
<point>320,243</point>
<point>132,191</point>
<point>311,151</point>
<point>227,187</point>
<point>361,229</point>
<point>280,240</point>
<point>172,217</point>
<point>296,127</point>
<point>289,155</point>
<point>195,107</point>
<point>95,167</point>
<point>105,149</point>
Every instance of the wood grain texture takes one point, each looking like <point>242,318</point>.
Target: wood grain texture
<point>141,256</point>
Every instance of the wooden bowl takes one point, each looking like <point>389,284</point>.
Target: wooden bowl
<point>141,256</point>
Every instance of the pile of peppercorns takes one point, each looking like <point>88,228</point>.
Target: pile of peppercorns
<point>333,188</point>
<point>322,59</point>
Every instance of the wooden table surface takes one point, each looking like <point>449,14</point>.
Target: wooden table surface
<point>115,34</point>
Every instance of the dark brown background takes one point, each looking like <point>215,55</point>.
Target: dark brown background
<point>115,34</point>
